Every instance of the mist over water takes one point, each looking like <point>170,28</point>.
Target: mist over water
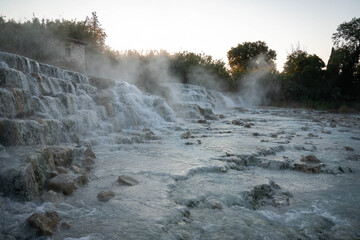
<point>207,167</point>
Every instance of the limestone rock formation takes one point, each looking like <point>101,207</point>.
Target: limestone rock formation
<point>62,182</point>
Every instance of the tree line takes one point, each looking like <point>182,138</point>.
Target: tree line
<point>305,76</point>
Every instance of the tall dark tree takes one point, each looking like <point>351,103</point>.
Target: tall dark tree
<point>93,27</point>
<point>344,66</point>
<point>251,56</point>
<point>304,77</point>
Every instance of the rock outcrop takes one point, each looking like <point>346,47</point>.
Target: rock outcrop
<point>45,224</point>
<point>267,194</point>
<point>62,182</point>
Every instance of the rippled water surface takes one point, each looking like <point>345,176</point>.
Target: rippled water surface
<point>195,189</point>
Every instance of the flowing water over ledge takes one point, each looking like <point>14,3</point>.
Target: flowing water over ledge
<point>235,174</point>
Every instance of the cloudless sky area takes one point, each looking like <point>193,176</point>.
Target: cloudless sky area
<point>208,26</point>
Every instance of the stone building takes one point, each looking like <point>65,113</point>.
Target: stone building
<point>72,54</point>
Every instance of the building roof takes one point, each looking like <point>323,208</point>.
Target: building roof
<point>77,41</point>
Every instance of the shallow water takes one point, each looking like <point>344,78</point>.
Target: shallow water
<point>232,176</point>
<point>195,192</point>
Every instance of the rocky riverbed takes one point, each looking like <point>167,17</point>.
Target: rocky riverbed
<point>85,158</point>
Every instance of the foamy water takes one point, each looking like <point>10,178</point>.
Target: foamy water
<point>196,187</point>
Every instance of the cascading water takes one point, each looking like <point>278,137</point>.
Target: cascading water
<point>203,168</point>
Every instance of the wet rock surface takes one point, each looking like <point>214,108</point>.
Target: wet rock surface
<point>105,196</point>
<point>45,224</point>
<point>267,194</point>
<point>62,182</point>
<point>214,188</point>
<point>126,180</point>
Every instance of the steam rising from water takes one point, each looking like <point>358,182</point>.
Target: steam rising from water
<point>256,87</point>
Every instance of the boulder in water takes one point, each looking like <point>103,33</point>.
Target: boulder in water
<point>51,196</point>
<point>62,182</point>
<point>105,196</point>
<point>310,159</point>
<point>126,180</point>
<point>267,194</point>
<point>61,169</point>
<point>82,179</point>
<point>45,224</point>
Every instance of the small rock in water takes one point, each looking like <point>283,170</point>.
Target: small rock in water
<point>126,180</point>
<point>89,153</point>
<point>312,135</point>
<point>61,169</point>
<point>62,182</point>
<point>199,141</point>
<point>273,135</point>
<point>308,168</point>
<point>65,226</point>
<point>186,135</point>
<point>310,159</point>
<point>45,224</point>
<point>256,134</point>
<point>216,205</point>
<point>247,125</point>
<point>203,121</point>
<point>77,169</point>
<point>236,122</point>
<point>83,179</point>
<point>189,143</point>
<point>355,138</point>
<point>326,132</point>
<point>51,196</point>
<point>221,116</point>
<point>105,196</point>
<point>229,154</point>
<point>350,149</point>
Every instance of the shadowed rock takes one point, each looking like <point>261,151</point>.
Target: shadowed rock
<point>51,196</point>
<point>105,196</point>
<point>267,194</point>
<point>45,224</point>
<point>62,182</point>
<point>310,159</point>
<point>89,153</point>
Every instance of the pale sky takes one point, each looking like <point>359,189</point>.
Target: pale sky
<point>208,26</point>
